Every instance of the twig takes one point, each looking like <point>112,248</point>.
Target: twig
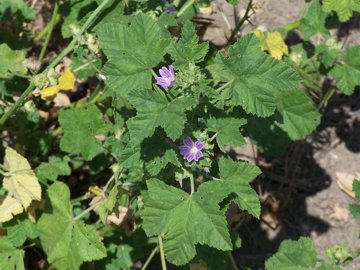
<point>241,22</point>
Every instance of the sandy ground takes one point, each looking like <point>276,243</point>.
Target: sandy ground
<point>318,208</point>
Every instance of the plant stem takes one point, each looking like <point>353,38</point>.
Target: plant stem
<point>224,85</point>
<point>43,32</point>
<point>233,263</point>
<point>18,102</point>
<point>49,33</point>
<point>162,256</point>
<point>87,210</point>
<point>57,60</point>
<point>213,137</point>
<point>146,264</point>
<point>192,184</point>
<point>188,4</point>
<point>241,22</point>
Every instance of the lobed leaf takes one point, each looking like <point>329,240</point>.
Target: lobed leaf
<point>132,52</point>
<point>314,22</point>
<point>154,110</point>
<point>67,242</point>
<point>187,49</point>
<point>347,75</point>
<point>255,78</point>
<point>234,178</point>
<point>300,116</point>
<point>81,126</point>
<point>343,8</point>
<point>10,257</point>
<point>297,255</point>
<point>184,220</point>
<point>21,183</point>
<point>227,130</point>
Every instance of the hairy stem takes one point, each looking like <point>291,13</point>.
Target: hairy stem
<point>162,255</point>
<point>238,26</point>
<point>57,60</point>
<point>49,33</point>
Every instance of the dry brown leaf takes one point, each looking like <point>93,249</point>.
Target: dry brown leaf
<point>124,213</point>
<point>340,213</point>
<point>62,100</point>
<point>345,180</point>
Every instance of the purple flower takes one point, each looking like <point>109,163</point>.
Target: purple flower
<point>191,150</point>
<point>170,9</point>
<point>167,77</point>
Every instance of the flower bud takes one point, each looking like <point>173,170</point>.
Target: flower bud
<point>40,80</point>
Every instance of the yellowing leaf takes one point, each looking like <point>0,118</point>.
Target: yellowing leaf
<point>9,208</point>
<point>49,92</point>
<point>67,80</point>
<point>273,43</point>
<point>21,183</point>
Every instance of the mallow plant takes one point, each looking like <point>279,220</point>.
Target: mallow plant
<point>138,165</point>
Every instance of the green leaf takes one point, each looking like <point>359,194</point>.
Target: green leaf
<point>347,75</point>
<point>11,62</point>
<point>10,257</point>
<point>343,8</point>
<point>296,255</point>
<point>233,2</point>
<point>132,52</point>
<point>67,243</point>
<point>355,208</point>
<point>18,233</point>
<point>187,49</point>
<point>14,6</point>
<point>234,178</point>
<point>255,78</point>
<point>227,129</point>
<point>80,126</point>
<point>267,135</point>
<point>328,53</point>
<point>51,170</point>
<point>314,22</point>
<point>80,58</point>
<point>154,110</point>
<point>300,115</point>
<point>157,158</point>
<point>184,220</point>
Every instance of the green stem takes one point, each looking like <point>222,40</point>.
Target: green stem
<point>192,184</point>
<point>56,61</point>
<point>162,256</point>
<point>224,85</point>
<point>241,22</point>
<point>213,137</point>
<point>18,102</point>
<point>233,263</point>
<point>146,264</point>
<point>43,32</point>
<point>49,33</point>
<point>188,4</point>
<point>326,98</point>
<point>87,210</point>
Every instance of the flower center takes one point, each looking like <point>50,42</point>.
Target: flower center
<point>194,150</point>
